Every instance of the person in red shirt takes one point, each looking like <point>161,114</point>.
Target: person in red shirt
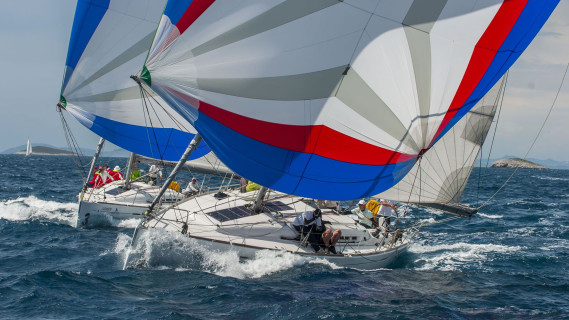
<point>107,175</point>
<point>116,174</point>
<point>97,179</point>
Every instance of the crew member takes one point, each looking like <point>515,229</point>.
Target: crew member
<point>192,188</point>
<point>364,215</point>
<point>116,174</point>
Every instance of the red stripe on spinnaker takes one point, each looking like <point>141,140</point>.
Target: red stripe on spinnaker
<point>317,139</point>
<point>193,12</point>
<point>483,55</point>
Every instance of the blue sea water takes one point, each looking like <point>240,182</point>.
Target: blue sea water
<point>507,262</point>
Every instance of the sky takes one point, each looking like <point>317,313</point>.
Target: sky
<point>34,36</point>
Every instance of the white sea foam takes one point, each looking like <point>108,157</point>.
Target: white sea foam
<point>450,257</point>
<point>128,223</point>
<point>162,249</point>
<point>550,178</point>
<point>32,208</point>
<point>490,216</point>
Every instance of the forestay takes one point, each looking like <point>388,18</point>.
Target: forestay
<point>109,42</point>
<point>333,99</point>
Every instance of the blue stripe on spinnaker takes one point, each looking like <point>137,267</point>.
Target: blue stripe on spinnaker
<point>531,20</point>
<point>297,173</point>
<point>88,15</point>
<point>175,9</point>
<point>142,140</point>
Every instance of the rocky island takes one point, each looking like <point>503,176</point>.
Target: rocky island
<point>517,163</point>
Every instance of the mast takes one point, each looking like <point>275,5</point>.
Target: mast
<point>259,199</point>
<point>191,147</point>
<point>131,160</point>
<point>95,157</point>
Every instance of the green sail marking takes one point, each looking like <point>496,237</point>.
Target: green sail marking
<point>145,75</point>
<point>63,101</point>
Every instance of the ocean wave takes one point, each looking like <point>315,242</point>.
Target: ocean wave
<point>550,178</point>
<point>451,257</point>
<point>490,216</point>
<point>161,249</point>
<point>31,208</point>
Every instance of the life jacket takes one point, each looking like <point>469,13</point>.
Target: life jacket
<point>116,175</point>
<point>98,180</point>
<point>174,186</point>
<point>373,206</point>
<point>135,174</point>
<point>106,176</point>
<point>251,186</point>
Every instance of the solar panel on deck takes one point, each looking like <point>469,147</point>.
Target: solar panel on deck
<point>115,191</point>
<point>277,206</point>
<point>230,214</point>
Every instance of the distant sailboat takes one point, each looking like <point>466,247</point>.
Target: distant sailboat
<point>28,148</point>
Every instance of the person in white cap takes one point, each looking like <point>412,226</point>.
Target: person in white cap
<point>365,216</point>
<point>192,188</point>
<point>116,174</point>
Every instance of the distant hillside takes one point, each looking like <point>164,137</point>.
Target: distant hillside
<point>517,163</point>
<point>23,147</point>
<point>46,151</point>
<point>117,153</point>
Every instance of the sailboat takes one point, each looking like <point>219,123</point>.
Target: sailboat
<point>109,41</point>
<point>382,104</point>
<point>28,148</point>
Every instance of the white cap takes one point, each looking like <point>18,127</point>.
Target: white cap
<point>362,202</point>
<point>117,168</point>
<point>194,179</point>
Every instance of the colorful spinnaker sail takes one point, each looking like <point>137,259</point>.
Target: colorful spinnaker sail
<point>109,42</point>
<point>333,99</point>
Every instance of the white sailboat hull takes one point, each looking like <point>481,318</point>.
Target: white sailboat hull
<point>227,225</point>
<point>370,261</point>
<point>105,205</point>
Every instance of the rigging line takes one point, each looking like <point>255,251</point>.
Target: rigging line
<point>462,185</point>
<point>71,144</point>
<point>152,125</point>
<point>417,173</point>
<point>501,103</point>
<point>534,140</point>
<point>145,122</point>
<point>174,119</point>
